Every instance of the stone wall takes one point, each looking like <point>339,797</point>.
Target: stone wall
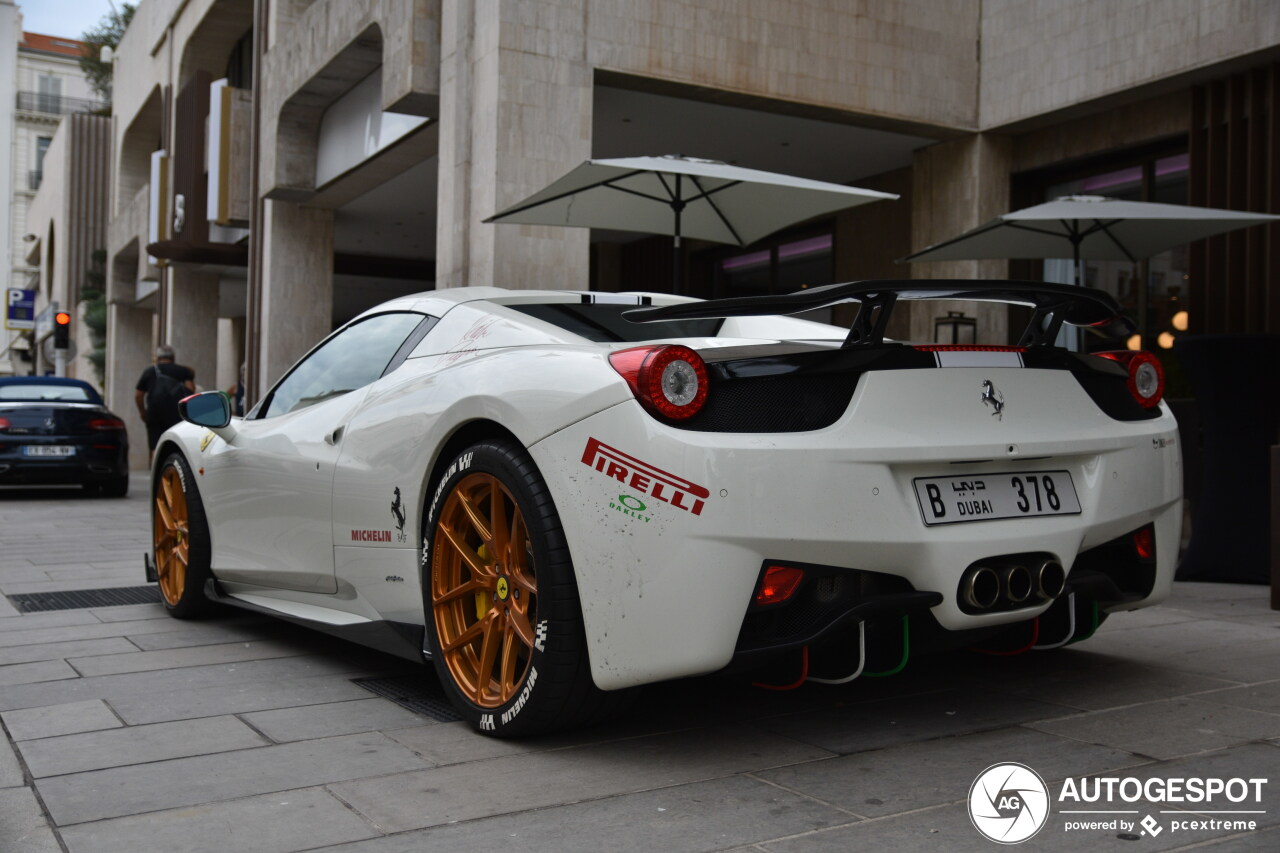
<point>1038,57</point>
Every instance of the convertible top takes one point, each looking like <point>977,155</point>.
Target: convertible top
<point>1054,304</point>
<point>59,381</point>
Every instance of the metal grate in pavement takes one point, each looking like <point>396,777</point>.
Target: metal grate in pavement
<point>79,599</point>
<point>414,692</point>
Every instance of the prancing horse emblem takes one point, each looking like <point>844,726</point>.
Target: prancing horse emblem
<point>397,510</point>
<point>994,397</point>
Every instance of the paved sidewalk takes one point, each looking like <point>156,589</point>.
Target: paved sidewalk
<point>129,731</point>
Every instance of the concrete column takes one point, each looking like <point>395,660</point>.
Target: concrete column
<point>958,185</point>
<point>191,322</point>
<point>230,351</point>
<point>129,352</point>
<point>297,286</point>
<point>515,104</point>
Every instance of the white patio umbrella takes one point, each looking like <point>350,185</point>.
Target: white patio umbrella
<point>682,196</point>
<point>1089,227</point>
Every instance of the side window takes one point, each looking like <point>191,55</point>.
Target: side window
<point>351,359</point>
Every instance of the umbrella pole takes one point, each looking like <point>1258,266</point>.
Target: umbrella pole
<point>677,205</point>
<point>1075,256</point>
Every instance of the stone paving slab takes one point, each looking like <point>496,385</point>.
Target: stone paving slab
<point>137,661</point>
<point>1259,697</point>
<point>132,686</point>
<point>69,718</point>
<point>709,815</point>
<point>10,770</point>
<point>882,723</point>
<point>130,612</point>
<point>27,622</point>
<point>538,780</point>
<point>1186,726</point>
<point>1089,680</point>
<point>120,747</point>
<point>917,775</point>
<point>22,824</point>
<point>242,698</point>
<point>65,650</point>
<point>121,791</point>
<point>285,725</point>
<point>136,631</point>
<point>271,823</point>
<point>32,673</point>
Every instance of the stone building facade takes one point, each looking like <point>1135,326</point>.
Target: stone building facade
<point>279,166</point>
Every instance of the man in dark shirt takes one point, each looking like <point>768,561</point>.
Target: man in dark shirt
<point>166,413</point>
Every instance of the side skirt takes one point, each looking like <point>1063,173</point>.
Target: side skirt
<point>402,639</point>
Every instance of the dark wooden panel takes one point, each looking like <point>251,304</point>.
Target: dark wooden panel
<point>1235,164</point>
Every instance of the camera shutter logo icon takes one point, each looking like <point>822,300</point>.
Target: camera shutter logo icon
<point>1008,803</point>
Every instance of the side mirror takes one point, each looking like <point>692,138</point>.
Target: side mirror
<point>210,409</point>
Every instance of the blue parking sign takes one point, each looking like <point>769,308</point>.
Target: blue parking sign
<point>21,310</point>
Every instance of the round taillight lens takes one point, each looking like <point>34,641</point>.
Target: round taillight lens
<point>670,381</point>
<point>1146,376</point>
<point>1146,379</point>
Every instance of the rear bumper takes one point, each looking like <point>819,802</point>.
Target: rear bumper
<point>669,528</point>
<point>88,465</point>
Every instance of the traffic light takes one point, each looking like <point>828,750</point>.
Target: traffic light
<point>61,330</point>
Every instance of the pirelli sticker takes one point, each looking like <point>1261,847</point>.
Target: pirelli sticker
<point>641,477</point>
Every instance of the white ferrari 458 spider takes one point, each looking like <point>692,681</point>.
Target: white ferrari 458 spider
<point>555,496</point>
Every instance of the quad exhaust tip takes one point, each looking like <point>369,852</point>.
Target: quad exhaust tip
<point>1012,584</point>
<point>1051,579</point>
<point>1015,583</point>
<point>980,587</point>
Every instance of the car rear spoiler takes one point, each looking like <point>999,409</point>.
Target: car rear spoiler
<point>1053,304</point>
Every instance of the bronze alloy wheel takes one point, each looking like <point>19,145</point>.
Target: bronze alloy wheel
<point>171,533</point>
<point>484,590</point>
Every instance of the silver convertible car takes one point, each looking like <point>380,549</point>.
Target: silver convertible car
<point>555,496</point>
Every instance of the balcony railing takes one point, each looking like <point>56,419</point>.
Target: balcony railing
<point>34,177</point>
<point>40,102</point>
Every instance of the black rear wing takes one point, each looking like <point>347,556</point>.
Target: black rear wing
<point>1053,304</point>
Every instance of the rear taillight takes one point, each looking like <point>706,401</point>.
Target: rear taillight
<point>1144,543</point>
<point>779,584</point>
<point>669,380</point>
<point>106,423</point>
<point>4,424</point>
<point>1146,376</point>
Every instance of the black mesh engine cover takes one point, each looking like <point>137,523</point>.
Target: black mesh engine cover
<point>793,403</point>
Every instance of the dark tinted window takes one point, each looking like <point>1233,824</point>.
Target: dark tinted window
<point>604,323</point>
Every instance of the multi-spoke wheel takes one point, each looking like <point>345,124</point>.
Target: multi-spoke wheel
<point>180,539</point>
<point>503,621</point>
<point>484,592</point>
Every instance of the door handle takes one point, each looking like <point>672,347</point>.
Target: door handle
<point>335,436</point>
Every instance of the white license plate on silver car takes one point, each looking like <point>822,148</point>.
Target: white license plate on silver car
<point>982,497</point>
<point>49,450</point>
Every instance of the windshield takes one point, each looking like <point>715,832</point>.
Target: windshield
<point>604,323</point>
<point>34,392</point>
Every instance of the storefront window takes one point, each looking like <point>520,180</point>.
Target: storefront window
<point>787,266</point>
<point>1160,305</point>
